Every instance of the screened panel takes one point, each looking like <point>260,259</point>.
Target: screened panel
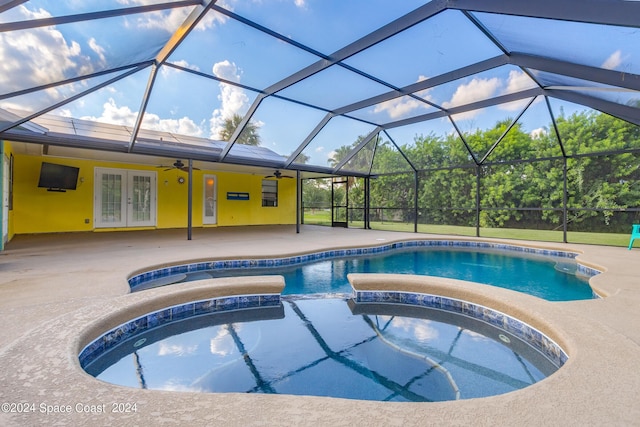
<point>447,197</point>
<point>305,21</point>
<point>188,104</point>
<point>584,130</point>
<point>30,103</point>
<point>362,161</point>
<point>604,182</point>
<point>239,53</point>
<point>604,46</point>
<point>334,142</point>
<point>43,55</point>
<point>332,88</point>
<point>482,128</point>
<point>616,225</point>
<point>116,104</point>
<point>537,184</point>
<point>434,143</point>
<point>441,54</point>
<point>532,136</point>
<point>504,80</point>
<point>388,158</point>
<point>282,126</point>
<point>392,198</point>
<point>403,107</point>
<point>316,201</point>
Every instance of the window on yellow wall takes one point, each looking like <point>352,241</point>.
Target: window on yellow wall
<point>269,193</point>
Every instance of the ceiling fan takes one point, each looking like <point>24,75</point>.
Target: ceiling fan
<point>177,165</point>
<point>277,174</point>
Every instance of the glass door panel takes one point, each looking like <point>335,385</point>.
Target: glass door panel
<point>210,200</point>
<point>141,209</point>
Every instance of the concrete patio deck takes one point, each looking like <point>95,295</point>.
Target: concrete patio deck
<point>54,286</point>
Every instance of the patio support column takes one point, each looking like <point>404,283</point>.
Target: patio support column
<point>415,201</point>
<point>298,201</point>
<point>565,213</point>
<point>478,169</point>
<point>367,202</point>
<point>190,201</point>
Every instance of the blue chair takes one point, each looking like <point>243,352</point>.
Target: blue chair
<point>635,234</point>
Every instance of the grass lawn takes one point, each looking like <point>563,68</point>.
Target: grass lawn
<point>323,217</point>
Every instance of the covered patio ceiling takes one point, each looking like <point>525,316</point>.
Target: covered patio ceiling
<point>195,79</point>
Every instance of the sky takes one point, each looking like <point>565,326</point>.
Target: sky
<point>219,46</point>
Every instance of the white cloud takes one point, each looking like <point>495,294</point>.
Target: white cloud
<point>99,50</point>
<point>222,343</point>
<point>537,133</point>
<point>402,107</point>
<point>518,81</point>
<point>166,349</point>
<point>184,64</point>
<point>475,90</point>
<point>399,107</point>
<point>233,99</point>
<point>124,116</point>
<point>613,61</point>
<point>39,56</point>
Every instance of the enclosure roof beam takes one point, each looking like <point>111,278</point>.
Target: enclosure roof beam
<point>427,84</point>
<point>525,94</point>
<point>594,74</point>
<point>607,12</point>
<point>621,111</point>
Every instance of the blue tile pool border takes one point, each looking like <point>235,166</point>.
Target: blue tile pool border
<point>175,313</point>
<point>538,340</point>
<point>110,339</point>
<point>151,275</point>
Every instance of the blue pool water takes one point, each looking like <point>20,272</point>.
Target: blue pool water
<point>327,347</point>
<point>548,277</point>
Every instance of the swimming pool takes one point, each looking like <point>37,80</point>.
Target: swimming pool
<point>327,347</point>
<point>550,275</point>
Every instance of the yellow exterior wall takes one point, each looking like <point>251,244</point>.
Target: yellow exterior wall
<point>37,210</point>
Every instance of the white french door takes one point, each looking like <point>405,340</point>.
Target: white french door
<point>210,197</point>
<point>124,198</point>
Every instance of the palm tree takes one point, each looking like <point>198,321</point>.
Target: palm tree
<point>249,135</point>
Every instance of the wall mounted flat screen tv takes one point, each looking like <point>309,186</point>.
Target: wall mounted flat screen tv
<point>56,177</point>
